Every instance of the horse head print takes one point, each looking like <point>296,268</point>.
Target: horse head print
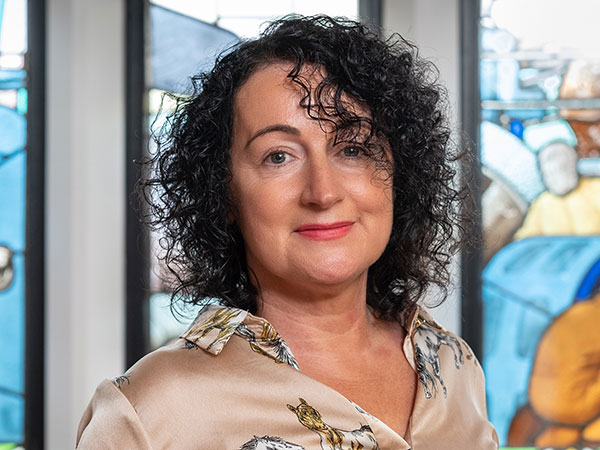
<point>333,438</point>
<point>428,342</point>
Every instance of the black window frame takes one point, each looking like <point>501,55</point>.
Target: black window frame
<point>137,247</point>
<point>35,226</point>
<point>470,105</point>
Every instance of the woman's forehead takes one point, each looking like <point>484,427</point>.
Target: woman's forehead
<point>272,85</point>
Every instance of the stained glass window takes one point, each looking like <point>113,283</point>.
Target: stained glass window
<point>13,126</point>
<point>185,38</point>
<point>539,73</point>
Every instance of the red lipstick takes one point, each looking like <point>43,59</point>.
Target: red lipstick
<point>324,231</point>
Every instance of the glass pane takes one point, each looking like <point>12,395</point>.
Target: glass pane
<point>13,30</point>
<point>13,127</point>
<point>12,62</point>
<point>164,325</point>
<point>244,27</point>
<point>540,151</point>
<point>346,8</point>
<point>261,8</point>
<point>12,290</point>
<point>8,98</point>
<point>205,10</point>
<point>181,47</point>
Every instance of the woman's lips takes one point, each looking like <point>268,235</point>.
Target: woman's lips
<point>324,231</point>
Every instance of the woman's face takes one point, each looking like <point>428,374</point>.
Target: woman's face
<point>311,212</point>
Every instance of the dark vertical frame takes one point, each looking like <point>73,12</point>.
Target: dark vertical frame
<point>34,228</point>
<point>472,310</point>
<point>369,12</point>
<point>137,245</point>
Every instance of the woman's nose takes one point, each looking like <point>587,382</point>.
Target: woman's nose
<point>323,186</point>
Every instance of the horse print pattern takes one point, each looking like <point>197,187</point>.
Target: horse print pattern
<point>216,327</point>
<point>334,438</point>
<point>120,380</point>
<point>268,344</point>
<point>428,341</point>
<point>269,443</point>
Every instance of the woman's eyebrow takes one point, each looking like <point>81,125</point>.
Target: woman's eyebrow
<point>272,128</point>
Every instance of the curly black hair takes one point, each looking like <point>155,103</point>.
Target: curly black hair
<point>187,185</point>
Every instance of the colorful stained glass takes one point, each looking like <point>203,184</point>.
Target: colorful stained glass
<point>13,127</point>
<point>540,151</point>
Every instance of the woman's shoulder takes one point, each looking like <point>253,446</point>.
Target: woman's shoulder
<point>175,370</point>
<point>156,391</point>
<point>442,358</point>
<point>453,385</point>
<point>222,343</point>
<point>153,395</point>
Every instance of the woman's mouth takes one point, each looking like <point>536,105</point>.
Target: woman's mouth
<point>324,231</point>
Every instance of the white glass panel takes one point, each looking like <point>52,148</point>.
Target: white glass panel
<point>205,10</point>
<point>245,28</point>
<point>552,25</point>
<point>13,36</point>
<point>346,8</point>
<point>258,8</point>
<point>8,98</point>
<point>12,62</point>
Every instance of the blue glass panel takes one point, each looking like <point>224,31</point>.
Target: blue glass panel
<point>182,46</point>
<point>12,351</point>
<point>12,79</point>
<point>516,128</point>
<point>22,101</point>
<point>589,167</point>
<point>1,13</point>
<point>12,202</point>
<point>502,78</point>
<point>12,300</point>
<point>13,130</point>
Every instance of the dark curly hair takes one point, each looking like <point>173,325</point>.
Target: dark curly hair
<point>187,185</point>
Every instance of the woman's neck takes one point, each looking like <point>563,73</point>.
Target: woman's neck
<point>321,321</point>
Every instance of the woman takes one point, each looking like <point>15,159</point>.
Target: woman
<point>306,185</point>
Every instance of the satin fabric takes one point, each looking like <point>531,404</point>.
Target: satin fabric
<point>230,382</point>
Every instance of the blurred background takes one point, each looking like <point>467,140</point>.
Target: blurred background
<point>81,296</point>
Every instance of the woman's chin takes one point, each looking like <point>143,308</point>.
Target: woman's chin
<point>333,273</point>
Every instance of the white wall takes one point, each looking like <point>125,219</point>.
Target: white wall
<point>85,207</point>
<point>433,25</point>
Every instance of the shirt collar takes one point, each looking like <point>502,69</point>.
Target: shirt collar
<point>418,317</point>
<point>213,327</point>
<point>215,324</point>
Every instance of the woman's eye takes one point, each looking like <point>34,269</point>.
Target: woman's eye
<point>352,152</point>
<point>277,158</point>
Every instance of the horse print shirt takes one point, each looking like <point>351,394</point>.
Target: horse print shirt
<point>230,382</point>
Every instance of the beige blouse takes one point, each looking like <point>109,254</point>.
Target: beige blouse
<point>230,382</point>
